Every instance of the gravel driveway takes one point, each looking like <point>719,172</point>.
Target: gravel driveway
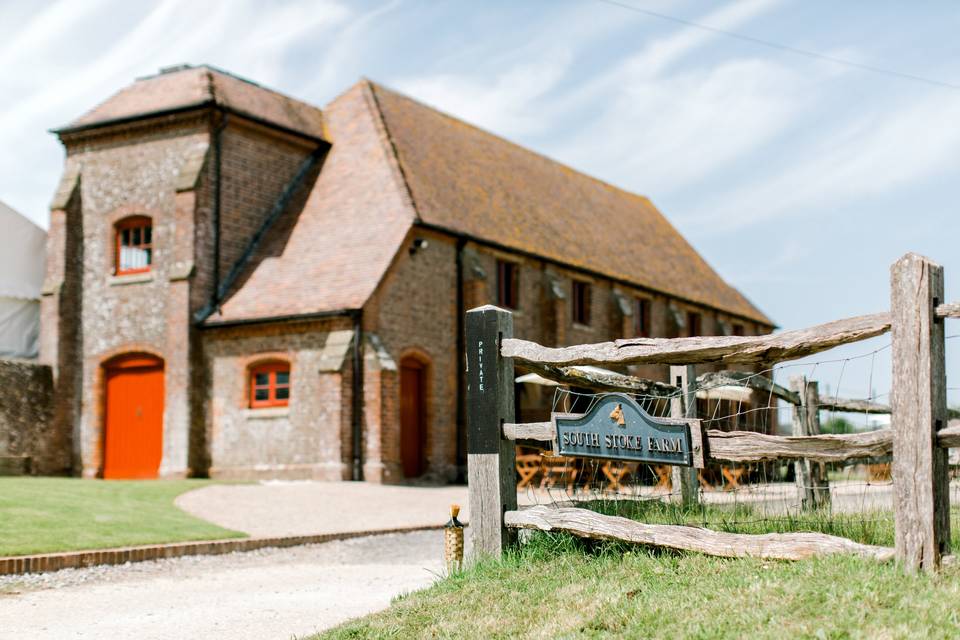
<point>259,595</point>
<point>302,508</point>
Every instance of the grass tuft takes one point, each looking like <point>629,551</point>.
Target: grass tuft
<point>560,586</point>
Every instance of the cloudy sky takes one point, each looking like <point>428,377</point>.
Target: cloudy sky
<point>800,179</point>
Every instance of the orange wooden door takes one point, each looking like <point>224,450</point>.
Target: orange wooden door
<point>413,431</point>
<point>133,443</point>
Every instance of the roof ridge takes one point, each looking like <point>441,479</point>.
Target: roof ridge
<point>391,147</point>
<point>212,69</point>
<point>209,68</point>
<point>635,208</point>
<point>211,86</point>
<point>186,87</point>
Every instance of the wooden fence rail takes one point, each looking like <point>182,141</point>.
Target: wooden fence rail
<point>706,382</point>
<point>776,347</point>
<point>752,381</point>
<point>602,380</point>
<point>749,446</point>
<point>918,438</point>
<point>771,546</point>
<point>948,310</point>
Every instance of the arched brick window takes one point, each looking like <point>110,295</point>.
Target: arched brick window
<point>270,384</point>
<point>134,245</point>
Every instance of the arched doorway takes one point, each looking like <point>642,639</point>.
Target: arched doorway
<point>413,416</point>
<point>133,416</point>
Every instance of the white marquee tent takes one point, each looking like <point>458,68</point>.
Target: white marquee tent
<point>22,257</point>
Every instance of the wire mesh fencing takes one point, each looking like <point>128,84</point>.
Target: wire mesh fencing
<point>854,499</point>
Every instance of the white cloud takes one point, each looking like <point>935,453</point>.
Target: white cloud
<point>344,52</point>
<point>87,84</point>
<point>53,87</point>
<point>637,123</point>
<point>871,155</point>
<point>501,103</point>
<point>658,56</point>
<point>261,53</point>
<point>45,27</point>
<point>661,134</point>
<point>506,92</point>
<point>664,52</point>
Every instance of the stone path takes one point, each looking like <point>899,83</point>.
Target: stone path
<point>259,595</point>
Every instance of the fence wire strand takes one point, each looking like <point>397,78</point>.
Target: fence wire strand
<point>749,498</point>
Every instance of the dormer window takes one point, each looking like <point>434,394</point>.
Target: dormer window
<point>134,245</point>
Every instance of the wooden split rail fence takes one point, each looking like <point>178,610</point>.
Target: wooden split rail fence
<point>918,438</point>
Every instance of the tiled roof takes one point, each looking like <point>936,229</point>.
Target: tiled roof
<point>331,255</point>
<point>474,183</point>
<point>387,147</point>
<point>188,86</point>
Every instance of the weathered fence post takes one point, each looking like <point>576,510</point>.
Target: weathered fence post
<point>491,459</point>
<point>801,467</point>
<point>818,470</point>
<point>685,485</point>
<point>919,409</point>
<point>813,486</point>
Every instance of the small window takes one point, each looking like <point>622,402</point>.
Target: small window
<point>134,245</point>
<point>581,302</point>
<point>694,325</point>
<point>641,317</point>
<point>737,329</point>
<point>508,281</point>
<point>270,385</point>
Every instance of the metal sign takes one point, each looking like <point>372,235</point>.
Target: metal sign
<point>617,428</point>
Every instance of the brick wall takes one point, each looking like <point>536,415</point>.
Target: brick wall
<point>545,313</point>
<point>307,439</point>
<point>61,331</point>
<point>29,439</point>
<point>414,314</point>
<point>124,173</point>
<point>381,436</point>
<point>256,167</point>
<point>161,169</point>
<point>164,170</point>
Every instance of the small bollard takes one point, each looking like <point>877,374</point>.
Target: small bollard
<point>453,541</point>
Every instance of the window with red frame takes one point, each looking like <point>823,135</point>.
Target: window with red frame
<point>134,245</point>
<point>270,385</point>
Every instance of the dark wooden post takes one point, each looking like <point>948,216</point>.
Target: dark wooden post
<point>919,409</point>
<point>491,459</point>
<point>685,485</point>
<point>813,486</point>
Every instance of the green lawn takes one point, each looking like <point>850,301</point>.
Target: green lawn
<point>558,586</point>
<point>553,589</point>
<point>39,515</point>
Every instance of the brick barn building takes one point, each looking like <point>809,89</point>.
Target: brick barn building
<point>244,285</point>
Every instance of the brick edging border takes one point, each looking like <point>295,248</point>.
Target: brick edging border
<point>45,562</point>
